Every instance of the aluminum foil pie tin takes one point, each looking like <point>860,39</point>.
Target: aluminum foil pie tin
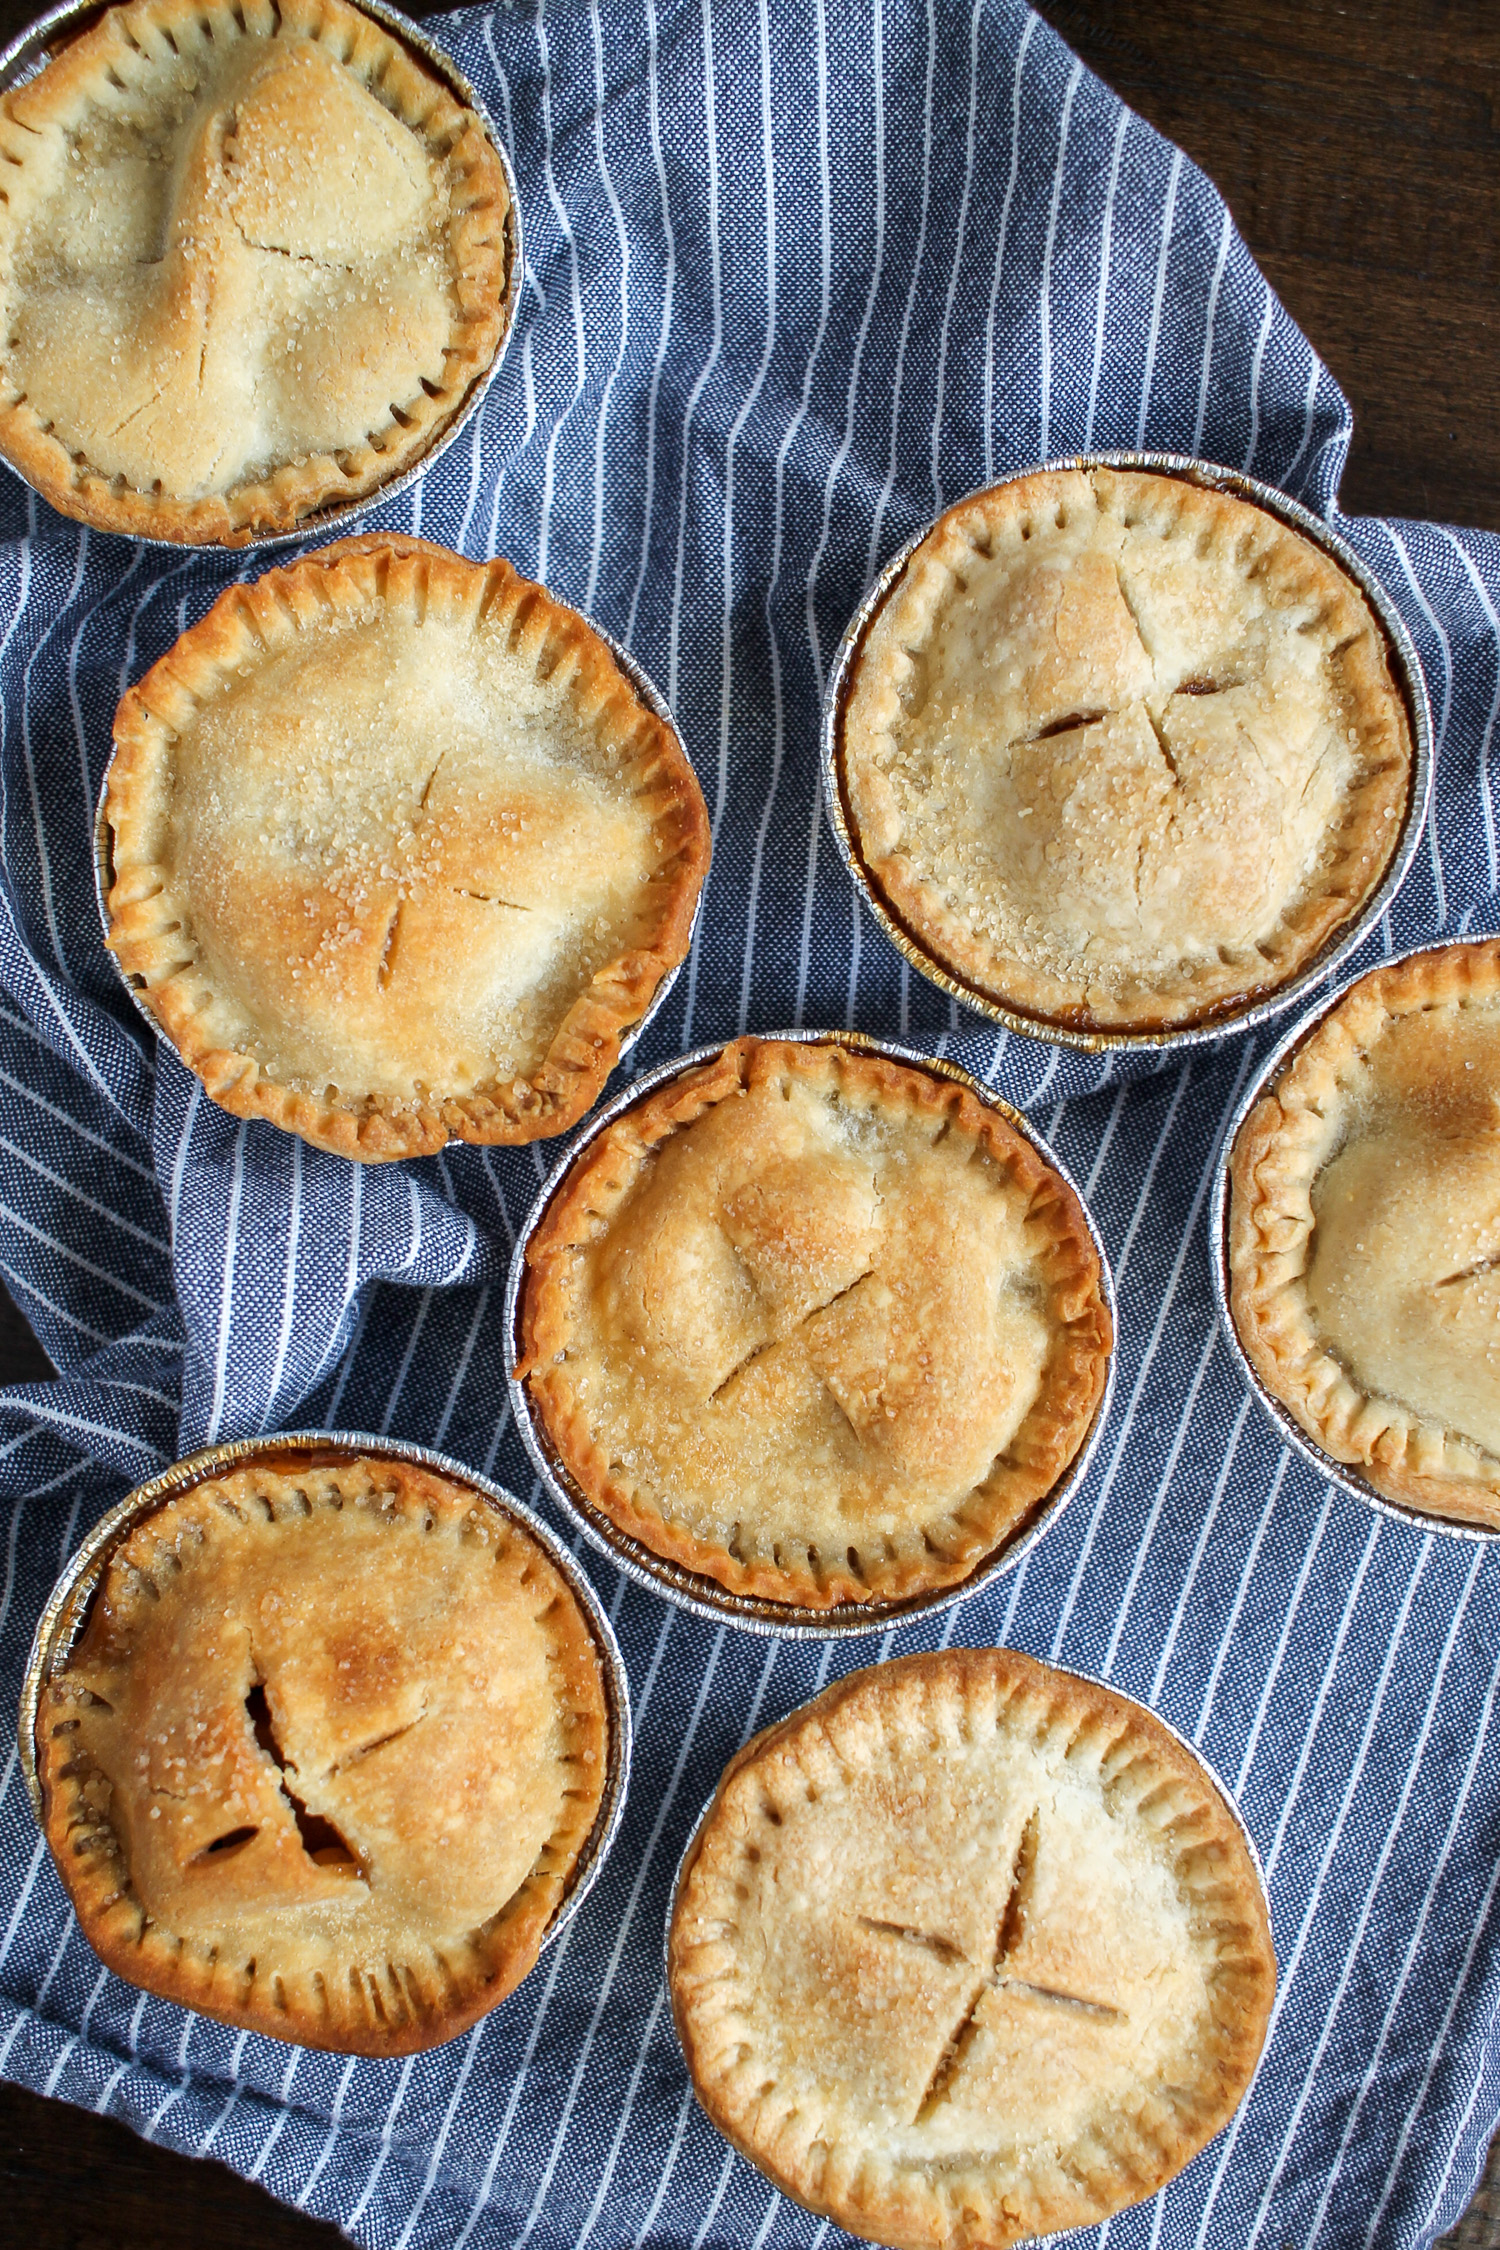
<point>62,1621</point>
<point>693,1590</point>
<point>1249,1015</point>
<point>689,1851</point>
<point>649,693</point>
<point>1342,1473</point>
<point>36,47</point>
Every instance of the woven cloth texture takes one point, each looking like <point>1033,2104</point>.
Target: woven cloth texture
<point>800,273</point>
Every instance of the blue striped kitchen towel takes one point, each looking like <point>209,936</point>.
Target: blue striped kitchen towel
<point>801,272</point>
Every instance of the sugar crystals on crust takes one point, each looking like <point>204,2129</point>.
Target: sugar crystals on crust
<point>399,851</point>
<point>325,1757</point>
<point>968,1951</point>
<point>818,1325</point>
<point>253,258</point>
<point>1365,1232</point>
<point>1121,752</point>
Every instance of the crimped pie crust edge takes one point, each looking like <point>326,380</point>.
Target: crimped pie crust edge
<point>1278,1152</point>
<point>479,256</point>
<point>996,1512</point>
<point>475,1973</point>
<point>144,918</point>
<point>1370,834</point>
<point>941,1693</point>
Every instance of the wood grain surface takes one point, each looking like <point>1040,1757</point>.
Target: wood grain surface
<point>1359,150</point>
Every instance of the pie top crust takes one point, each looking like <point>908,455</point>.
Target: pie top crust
<point>967,1951</point>
<point>253,258</point>
<point>817,1325</point>
<point>326,1754</point>
<point>399,852</point>
<point>1364,1238</point>
<point>1120,752</point>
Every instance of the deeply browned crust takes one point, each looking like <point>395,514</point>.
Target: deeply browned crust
<point>995,1513</point>
<point>112,54</point>
<point>1024,978</point>
<point>319,1982</point>
<point>1407,1455</point>
<point>150,927</point>
<point>909,1720</point>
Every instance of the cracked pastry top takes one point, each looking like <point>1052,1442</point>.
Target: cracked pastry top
<point>819,1326</point>
<point>969,1951</point>
<point>253,258</point>
<point>1364,1232</point>
<point>399,852</point>
<point>326,1754</point>
<point>1122,753</point>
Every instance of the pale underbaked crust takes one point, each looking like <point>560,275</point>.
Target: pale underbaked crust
<point>816,1325</point>
<point>399,853</point>
<point>967,1951</point>
<point>1120,752</point>
<point>1364,1232</point>
<point>325,1757</point>
<point>253,258</point>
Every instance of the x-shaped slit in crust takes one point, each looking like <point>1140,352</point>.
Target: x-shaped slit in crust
<point>1008,1935</point>
<point>757,1351</point>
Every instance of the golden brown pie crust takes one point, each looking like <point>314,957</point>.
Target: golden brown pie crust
<point>968,1950</point>
<point>399,852</point>
<point>1364,1233</point>
<point>326,1754</point>
<point>253,258</point>
<point>1121,753</point>
<point>817,1325</point>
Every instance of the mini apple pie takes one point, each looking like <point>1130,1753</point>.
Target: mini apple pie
<point>1365,1232</point>
<point>253,259</point>
<point>325,1757</point>
<point>968,1951</point>
<point>815,1324</point>
<point>1121,753</point>
<point>399,852</point>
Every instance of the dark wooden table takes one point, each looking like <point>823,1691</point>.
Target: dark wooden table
<point>1359,149</point>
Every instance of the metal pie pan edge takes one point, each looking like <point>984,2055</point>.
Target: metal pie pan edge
<point>1231,1802</point>
<point>1341,942</point>
<point>66,1608</point>
<point>30,52</point>
<point>1341,1473</point>
<point>690,1590</point>
<point>650,695</point>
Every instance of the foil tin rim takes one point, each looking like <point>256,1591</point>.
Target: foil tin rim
<point>64,1614</point>
<point>689,1849</point>
<point>690,1590</point>
<point>1341,1473</point>
<point>650,695</point>
<point>1209,476</point>
<point>30,52</point>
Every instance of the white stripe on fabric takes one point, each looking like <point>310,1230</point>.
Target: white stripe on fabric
<point>77,1194</point>
<point>1293,1610</point>
<point>1163,1487</point>
<point>1158,297</point>
<point>627,1921</point>
<point>1005,208</point>
<point>330,2139</point>
<point>1256,365</point>
<point>288,1282</point>
<point>384,2149</point>
<point>580,342</point>
<point>935,469</point>
<point>1045,329</point>
<point>623,241</point>
<point>62,1116</point>
<point>1226,233</point>
<point>877,526</point>
<point>1288,1976</point>
<point>716,345</point>
<point>1106,245</point>
<point>1371,1890</point>
<point>44,857</point>
<point>1247,1573</point>
<point>1486,796</point>
<point>669,285</point>
<point>226,1300</point>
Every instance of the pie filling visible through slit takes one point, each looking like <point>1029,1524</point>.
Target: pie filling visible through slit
<point>968,1951</point>
<point>253,258</point>
<point>817,1325</point>
<point>399,852</point>
<point>1120,752</point>
<point>1365,1232</point>
<point>326,1754</point>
